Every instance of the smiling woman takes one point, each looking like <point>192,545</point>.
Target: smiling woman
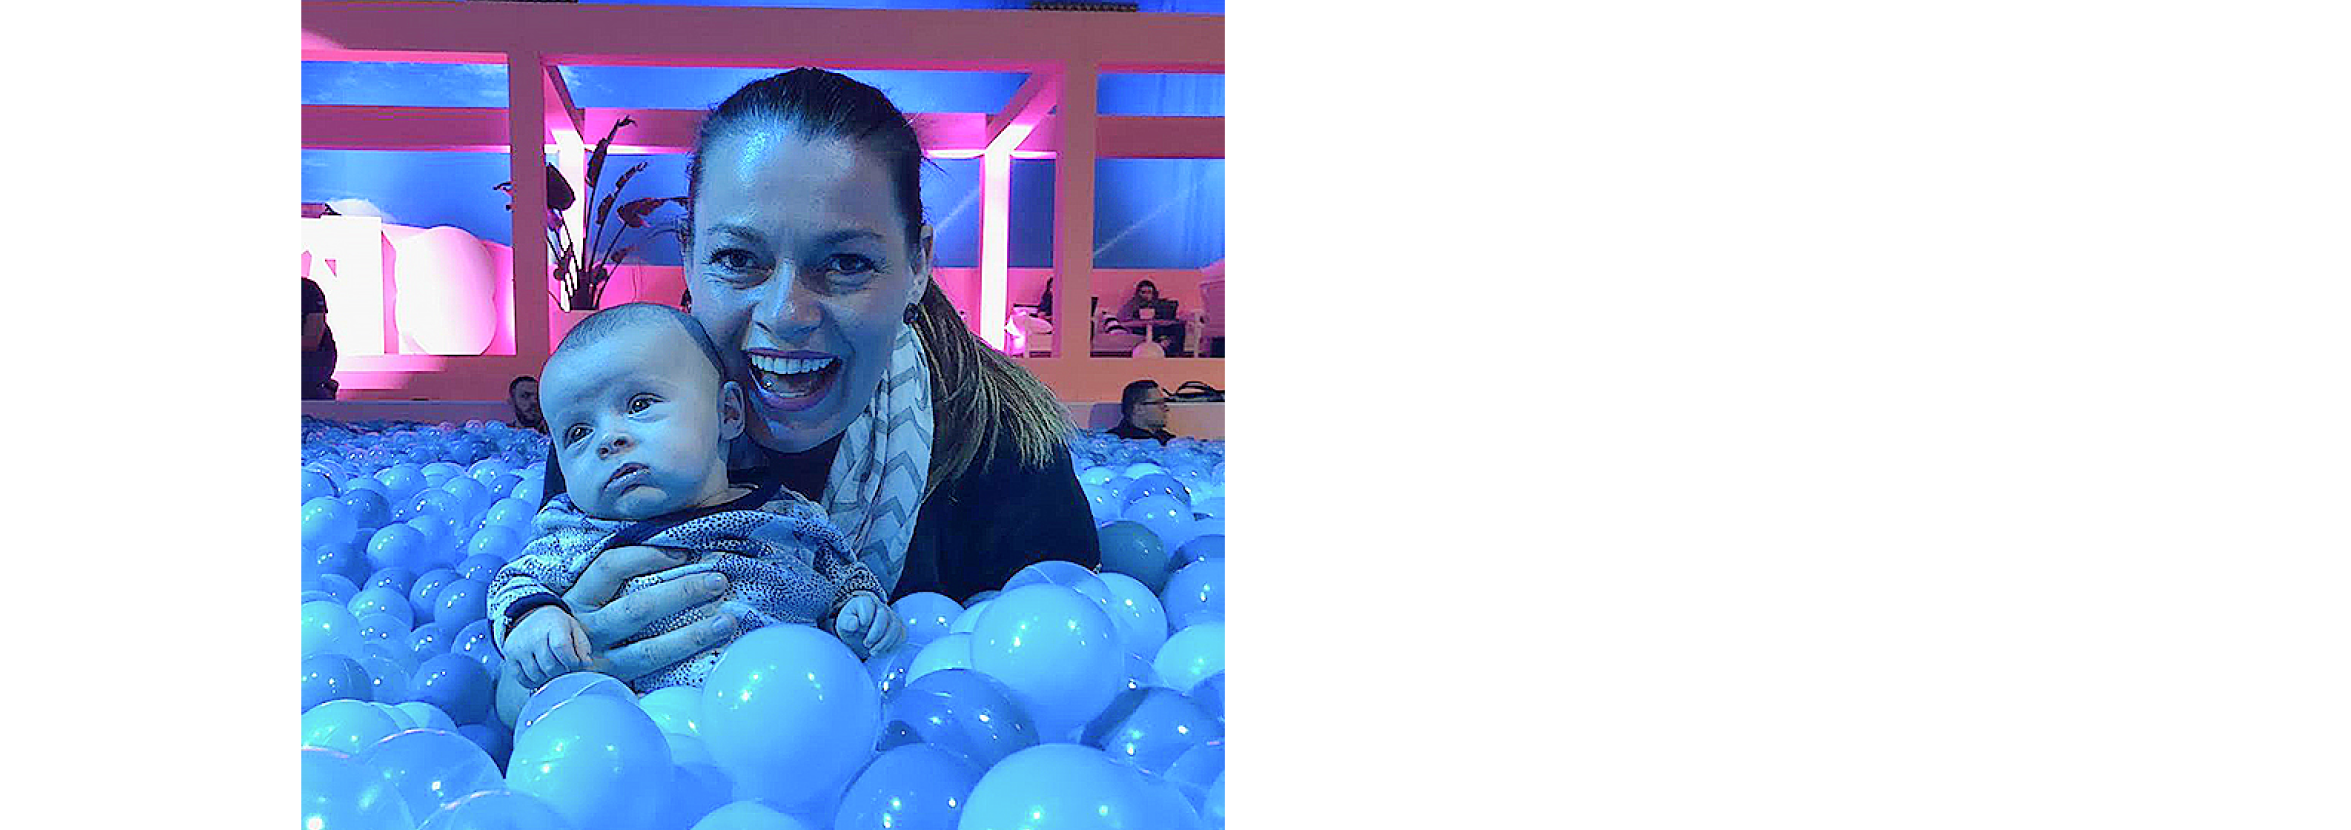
<point>809,262</point>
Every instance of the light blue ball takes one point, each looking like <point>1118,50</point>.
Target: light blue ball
<point>1200,548</point>
<point>748,815</point>
<point>916,787</point>
<point>567,688</point>
<point>326,521</point>
<point>368,509</point>
<point>927,616</point>
<point>892,669</point>
<point>462,601</point>
<point>315,485</point>
<point>472,497</point>
<point>1191,656</point>
<point>963,712</point>
<point>399,546</point>
<point>1195,594</point>
<point>335,585</point>
<point>1134,550</point>
<point>328,627</point>
<point>431,768</point>
<point>383,601</point>
<point>338,792</point>
<point>478,567</point>
<point>512,513</point>
<point>1061,787</point>
<point>676,709</point>
<point>1142,624</point>
<point>454,684</point>
<point>494,740</point>
<point>387,678</point>
<point>427,716</point>
<point>694,791</point>
<point>401,480</point>
<point>346,726</point>
<point>598,760</point>
<point>1069,575</point>
<point>328,677</point>
<point>1150,728</point>
<point>498,810</point>
<point>1164,515</point>
<point>1097,476</point>
<point>396,579</point>
<point>949,652</point>
<point>429,640</point>
<point>425,593</point>
<point>790,713</point>
<point>1154,484</point>
<point>495,541</point>
<point>474,641</point>
<point>1056,649</point>
<point>1140,674</point>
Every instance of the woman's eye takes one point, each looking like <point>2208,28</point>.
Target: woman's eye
<point>733,259</point>
<point>849,264</point>
<point>641,403</point>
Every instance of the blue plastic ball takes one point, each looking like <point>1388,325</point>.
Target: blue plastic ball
<point>676,709</point>
<point>598,760</point>
<point>346,726</point>
<point>498,810</point>
<point>1191,656</point>
<point>425,593</point>
<point>431,768</point>
<point>383,601</point>
<point>328,627</point>
<point>368,509</point>
<point>564,689</point>
<point>694,792</point>
<point>1151,728</point>
<point>454,684</point>
<point>748,815</point>
<point>1195,594</point>
<point>1061,787</point>
<point>387,678</point>
<point>1069,575</point>
<point>461,602</point>
<point>950,652</point>
<point>909,788</point>
<point>1210,694</point>
<point>790,713</point>
<point>401,480</point>
<point>926,615</point>
<point>495,741</point>
<point>334,585</point>
<point>332,678</point>
<point>481,568</point>
<point>429,640</point>
<point>427,716</point>
<point>474,641</point>
<point>399,546</point>
<point>1134,550</point>
<point>891,669</point>
<point>315,485</point>
<point>1164,515</point>
<point>1140,674</point>
<point>1155,484</point>
<point>472,497</point>
<point>1103,504</point>
<point>494,541</point>
<point>325,520</point>
<point>339,792</point>
<point>341,560</point>
<point>1202,547</point>
<point>963,712</point>
<point>396,579</point>
<point>1142,624</point>
<point>1056,649</point>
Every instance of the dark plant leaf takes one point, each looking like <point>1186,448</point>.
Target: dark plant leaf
<point>559,193</point>
<point>596,158</point>
<point>616,256</point>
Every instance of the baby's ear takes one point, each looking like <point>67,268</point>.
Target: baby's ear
<point>730,410</point>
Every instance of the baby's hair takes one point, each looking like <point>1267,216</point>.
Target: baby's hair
<point>633,315</point>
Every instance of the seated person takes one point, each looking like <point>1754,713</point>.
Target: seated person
<point>1142,412</point>
<point>641,417</point>
<point>318,345</point>
<point>522,394</point>
<point>1143,313</point>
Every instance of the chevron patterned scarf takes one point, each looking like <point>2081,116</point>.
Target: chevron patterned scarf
<point>875,488</point>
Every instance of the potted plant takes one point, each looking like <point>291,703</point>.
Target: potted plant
<point>584,261</point>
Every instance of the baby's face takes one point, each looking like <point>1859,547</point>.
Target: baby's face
<point>638,424</point>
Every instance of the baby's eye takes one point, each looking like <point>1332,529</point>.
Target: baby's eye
<point>573,435</point>
<point>641,403</point>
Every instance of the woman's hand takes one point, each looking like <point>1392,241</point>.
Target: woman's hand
<point>609,618</point>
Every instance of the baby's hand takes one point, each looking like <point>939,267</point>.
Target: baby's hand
<point>547,644</point>
<point>869,626</point>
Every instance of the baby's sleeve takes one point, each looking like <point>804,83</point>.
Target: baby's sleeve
<point>537,578</point>
<point>849,576</point>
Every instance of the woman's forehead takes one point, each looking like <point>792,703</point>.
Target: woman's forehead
<point>774,181</point>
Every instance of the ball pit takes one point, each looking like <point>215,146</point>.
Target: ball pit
<point>1094,697</point>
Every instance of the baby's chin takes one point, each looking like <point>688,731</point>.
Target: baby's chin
<point>645,503</point>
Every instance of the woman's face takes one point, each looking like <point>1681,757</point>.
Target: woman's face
<point>1149,293</point>
<point>801,271</point>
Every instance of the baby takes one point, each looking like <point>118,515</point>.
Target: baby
<point>639,416</point>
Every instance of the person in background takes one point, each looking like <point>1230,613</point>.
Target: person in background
<point>1142,412</point>
<point>1146,314</point>
<point>686,301</point>
<point>523,394</point>
<point>318,345</point>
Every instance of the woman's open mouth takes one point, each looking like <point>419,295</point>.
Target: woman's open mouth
<point>792,381</point>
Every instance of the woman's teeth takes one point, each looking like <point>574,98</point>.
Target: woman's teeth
<point>790,377</point>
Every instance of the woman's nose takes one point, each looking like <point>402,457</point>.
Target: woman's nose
<point>788,312</point>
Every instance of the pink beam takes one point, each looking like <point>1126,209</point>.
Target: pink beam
<point>1159,137</point>
<point>944,134</point>
<point>457,129</point>
<point>995,236</point>
<point>564,118</point>
<point>1029,106</point>
<point>618,35</point>
<point>526,134</point>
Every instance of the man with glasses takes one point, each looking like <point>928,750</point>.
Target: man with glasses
<point>1143,412</point>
